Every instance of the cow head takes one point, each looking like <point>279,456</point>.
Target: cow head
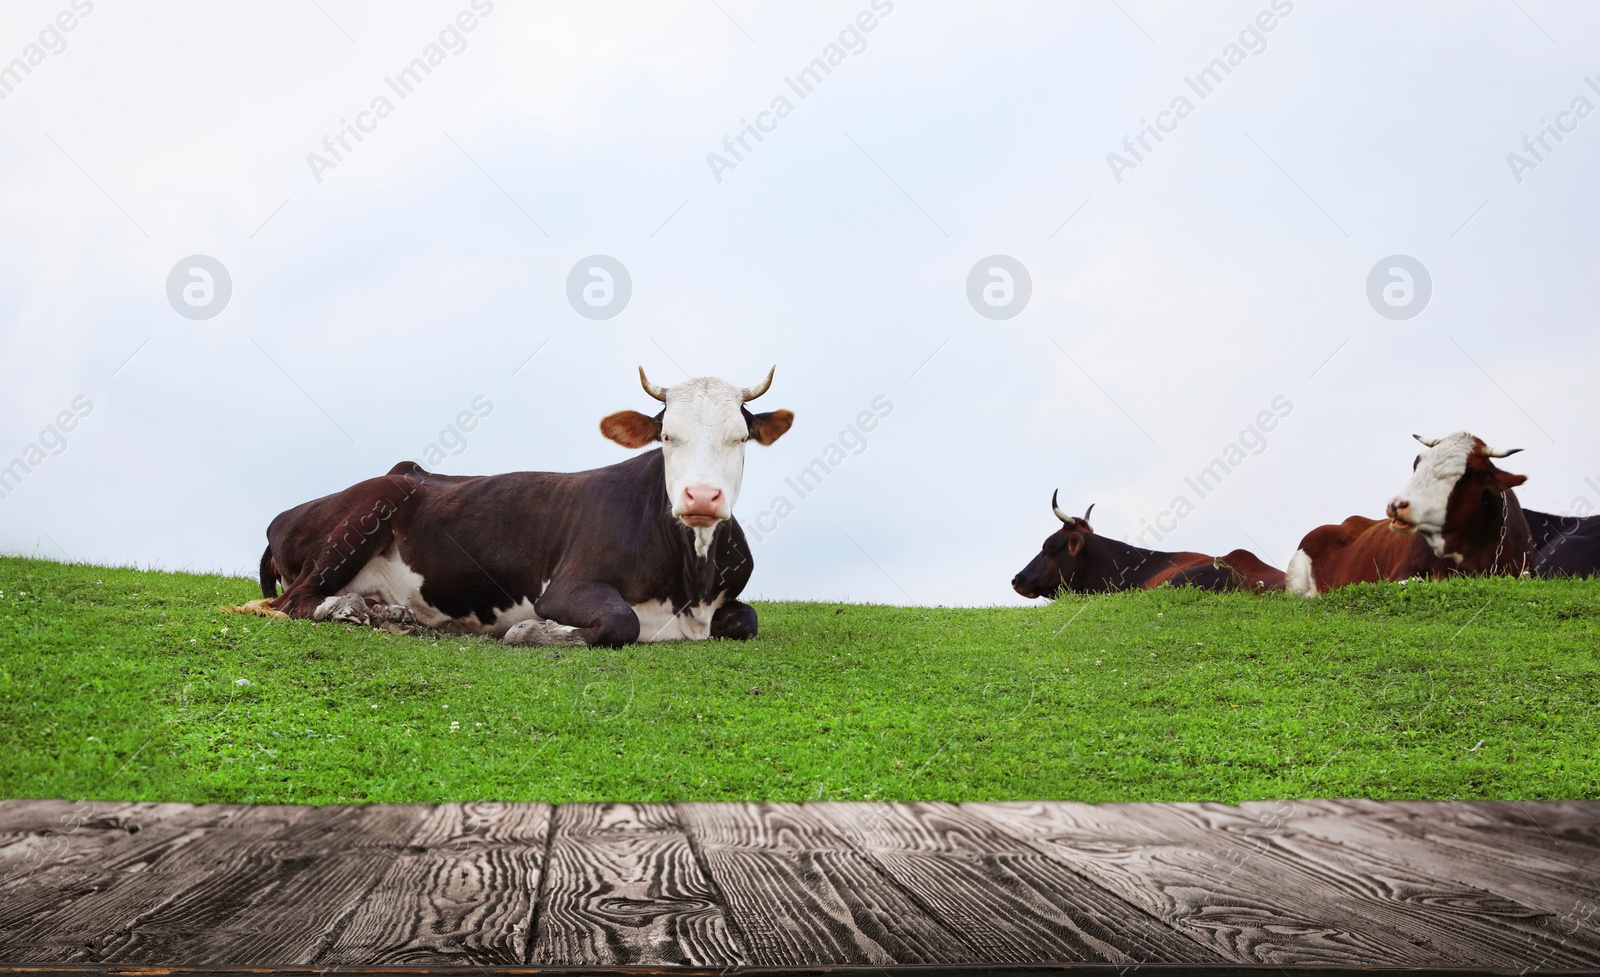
<point>702,427</point>
<point>1455,489</point>
<point>1061,558</point>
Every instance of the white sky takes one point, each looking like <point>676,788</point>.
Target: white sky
<point>1173,308</point>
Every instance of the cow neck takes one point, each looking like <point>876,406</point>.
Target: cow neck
<point>697,575</point>
<point>1507,540</point>
<point>1116,565</point>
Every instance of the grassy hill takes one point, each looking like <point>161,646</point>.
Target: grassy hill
<point>126,685</point>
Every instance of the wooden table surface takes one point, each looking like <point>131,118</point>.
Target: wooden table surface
<point>1274,887</point>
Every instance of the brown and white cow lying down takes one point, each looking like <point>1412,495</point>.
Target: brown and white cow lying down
<point>1457,515</point>
<point>643,550</point>
<point>1075,558</point>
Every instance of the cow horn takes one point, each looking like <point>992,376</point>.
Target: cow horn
<point>1489,452</point>
<point>659,393</point>
<point>1086,513</point>
<point>1057,509</point>
<point>751,393</point>
<point>1426,443</point>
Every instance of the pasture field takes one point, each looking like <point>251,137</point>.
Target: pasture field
<point>120,684</point>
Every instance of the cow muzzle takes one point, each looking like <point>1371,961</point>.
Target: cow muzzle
<point>1399,512</point>
<point>701,506</point>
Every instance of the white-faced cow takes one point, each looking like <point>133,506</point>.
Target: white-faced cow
<point>1077,559</point>
<point>1457,515</point>
<point>643,550</point>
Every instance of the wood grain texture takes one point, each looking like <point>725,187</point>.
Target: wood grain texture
<point>282,905</point>
<point>1558,840</point>
<point>1461,924</point>
<point>97,922</point>
<point>1171,888</point>
<point>264,886</point>
<point>798,894</point>
<point>625,889</point>
<point>461,893</point>
<point>34,834</point>
<point>1005,900</point>
<point>51,888</point>
<point>1206,890</point>
<point>1540,880</point>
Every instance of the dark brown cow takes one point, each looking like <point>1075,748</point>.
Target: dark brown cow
<point>1075,558</point>
<point>1568,546</point>
<point>643,550</point>
<point>1457,515</point>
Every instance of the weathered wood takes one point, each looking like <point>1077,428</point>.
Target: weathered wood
<point>36,834</point>
<point>624,889</point>
<point>1539,871</point>
<point>1005,900</point>
<point>28,897</point>
<point>461,893</point>
<point>1210,892</point>
<point>798,894</point>
<point>280,908</point>
<point>1561,841</point>
<point>1462,924</point>
<point>96,923</point>
<point>1171,888</point>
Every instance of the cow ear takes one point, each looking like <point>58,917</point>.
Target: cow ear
<point>1507,481</point>
<point>1074,544</point>
<point>767,428</point>
<point>630,428</point>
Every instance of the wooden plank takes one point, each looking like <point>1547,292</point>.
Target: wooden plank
<point>624,889</point>
<point>1560,839</point>
<point>1463,924</point>
<point>284,903</point>
<point>58,885</point>
<point>1541,883</point>
<point>87,926</point>
<point>461,894</point>
<point>38,834</point>
<point>1177,875</point>
<point>799,895</point>
<point>1538,867</point>
<point>1004,899</point>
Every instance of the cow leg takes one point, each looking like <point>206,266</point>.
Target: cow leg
<point>350,608</point>
<point>596,610</point>
<point>341,557</point>
<point>734,620</point>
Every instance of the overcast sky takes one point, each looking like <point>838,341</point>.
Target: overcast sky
<point>1176,293</point>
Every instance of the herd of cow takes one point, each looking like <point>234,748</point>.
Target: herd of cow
<point>648,549</point>
<point>1458,514</point>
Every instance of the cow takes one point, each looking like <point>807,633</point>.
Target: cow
<point>643,550</point>
<point>1457,515</point>
<point>1077,559</point>
<point>1567,546</point>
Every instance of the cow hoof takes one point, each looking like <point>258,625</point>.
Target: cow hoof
<point>542,633</point>
<point>397,616</point>
<point>351,609</point>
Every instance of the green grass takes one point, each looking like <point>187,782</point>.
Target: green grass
<point>119,684</point>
